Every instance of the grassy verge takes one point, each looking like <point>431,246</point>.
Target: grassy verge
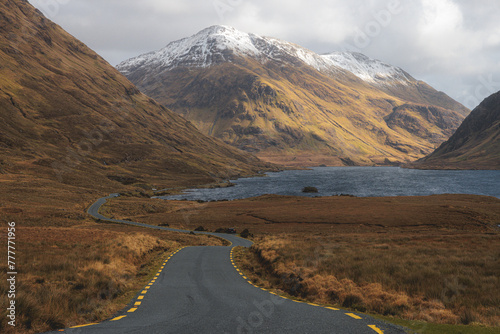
<point>76,275</point>
<point>447,279</point>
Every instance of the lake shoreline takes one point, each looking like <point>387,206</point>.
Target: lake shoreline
<point>357,181</point>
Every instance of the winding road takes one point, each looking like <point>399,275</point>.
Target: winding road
<point>200,290</point>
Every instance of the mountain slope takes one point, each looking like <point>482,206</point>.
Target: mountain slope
<point>290,105</point>
<point>475,144</point>
<point>67,115</point>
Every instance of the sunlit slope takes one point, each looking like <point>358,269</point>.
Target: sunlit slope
<point>67,114</point>
<point>287,104</point>
<point>284,113</point>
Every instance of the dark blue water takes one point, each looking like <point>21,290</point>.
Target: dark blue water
<point>357,181</point>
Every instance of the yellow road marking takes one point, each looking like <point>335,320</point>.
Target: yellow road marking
<point>118,318</point>
<point>312,304</point>
<point>352,315</point>
<point>333,308</point>
<point>162,267</point>
<point>133,309</point>
<point>83,325</point>
<point>137,303</point>
<point>376,329</point>
<point>144,291</point>
<point>157,274</point>
<point>244,277</point>
<point>147,287</point>
<point>140,297</point>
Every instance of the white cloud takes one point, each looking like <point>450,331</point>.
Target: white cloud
<point>449,43</point>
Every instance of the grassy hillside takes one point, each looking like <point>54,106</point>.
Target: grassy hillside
<point>475,144</point>
<point>66,114</point>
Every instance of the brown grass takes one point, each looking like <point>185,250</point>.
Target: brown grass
<point>449,278</point>
<point>75,275</point>
<point>433,258</point>
<point>276,214</point>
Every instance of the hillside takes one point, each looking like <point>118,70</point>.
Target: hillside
<point>475,144</point>
<point>290,105</point>
<point>68,116</point>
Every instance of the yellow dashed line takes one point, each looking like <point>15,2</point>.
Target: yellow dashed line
<point>157,274</point>
<point>312,304</point>
<point>83,325</point>
<point>150,284</point>
<point>147,288</point>
<point>118,318</point>
<point>144,292</point>
<point>333,308</point>
<point>137,303</point>
<point>352,315</point>
<point>376,329</point>
<point>133,309</point>
<point>140,297</point>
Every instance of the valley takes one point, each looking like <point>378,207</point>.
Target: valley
<point>214,107</point>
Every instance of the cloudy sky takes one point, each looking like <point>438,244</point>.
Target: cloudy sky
<point>454,45</point>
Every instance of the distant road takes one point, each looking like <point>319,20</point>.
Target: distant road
<point>199,290</point>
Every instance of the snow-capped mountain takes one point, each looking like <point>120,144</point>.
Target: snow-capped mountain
<point>219,44</point>
<point>291,105</point>
<point>367,69</point>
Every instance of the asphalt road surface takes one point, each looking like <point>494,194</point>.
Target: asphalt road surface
<point>200,290</point>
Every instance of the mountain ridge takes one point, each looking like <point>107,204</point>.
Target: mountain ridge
<point>474,145</point>
<point>69,116</point>
<point>273,98</point>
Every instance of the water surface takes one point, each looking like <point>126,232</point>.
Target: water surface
<point>357,181</point>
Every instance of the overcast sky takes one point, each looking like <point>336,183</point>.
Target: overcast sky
<point>454,45</point>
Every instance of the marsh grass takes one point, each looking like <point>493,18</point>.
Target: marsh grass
<point>70,276</point>
<point>450,279</point>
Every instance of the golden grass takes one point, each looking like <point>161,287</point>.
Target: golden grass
<point>449,278</point>
<point>429,258</point>
<point>76,275</point>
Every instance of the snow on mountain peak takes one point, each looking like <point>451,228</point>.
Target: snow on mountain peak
<point>219,44</point>
<point>367,69</point>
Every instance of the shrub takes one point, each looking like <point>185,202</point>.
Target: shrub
<point>245,233</point>
<point>310,190</point>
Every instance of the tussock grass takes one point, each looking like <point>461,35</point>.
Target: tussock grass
<point>449,279</point>
<point>70,276</point>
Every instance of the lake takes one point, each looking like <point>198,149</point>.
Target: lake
<point>357,181</point>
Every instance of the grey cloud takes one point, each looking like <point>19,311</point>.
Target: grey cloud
<point>451,44</point>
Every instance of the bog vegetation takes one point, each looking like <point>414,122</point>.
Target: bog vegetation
<point>73,276</point>
<point>438,278</point>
